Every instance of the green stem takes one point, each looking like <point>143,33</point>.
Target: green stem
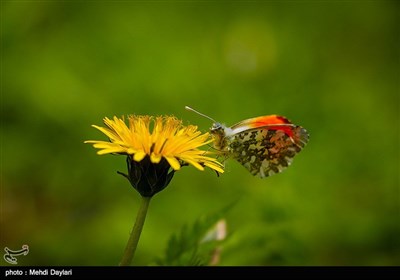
<point>136,231</point>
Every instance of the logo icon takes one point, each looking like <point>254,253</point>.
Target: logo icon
<point>9,256</point>
<point>264,145</point>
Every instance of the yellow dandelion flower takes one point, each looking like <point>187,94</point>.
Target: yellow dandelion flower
<point>153,146</point>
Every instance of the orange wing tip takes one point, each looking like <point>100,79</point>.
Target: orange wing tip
<point>268,120</point>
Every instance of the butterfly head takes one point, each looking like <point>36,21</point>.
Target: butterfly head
<point>217,130</point>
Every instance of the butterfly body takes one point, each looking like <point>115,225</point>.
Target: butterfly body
<point>264,145</point>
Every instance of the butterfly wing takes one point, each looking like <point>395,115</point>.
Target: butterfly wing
<point>266,145</point>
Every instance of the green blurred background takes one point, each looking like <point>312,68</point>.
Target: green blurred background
<point>330,66</point>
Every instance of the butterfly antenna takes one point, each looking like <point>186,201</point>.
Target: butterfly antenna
<point>197,112</point>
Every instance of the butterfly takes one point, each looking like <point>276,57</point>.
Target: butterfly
<point>264,145</point>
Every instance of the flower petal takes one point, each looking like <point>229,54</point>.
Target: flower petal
<point>194,163</point>
<point>173,162</point>
<point>155,158</point>
<point>139,156</point>
<point>214,166</point>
